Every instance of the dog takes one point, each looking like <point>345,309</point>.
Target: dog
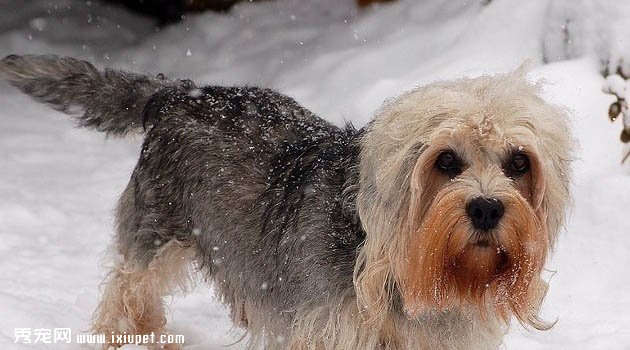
<point>428,228</point>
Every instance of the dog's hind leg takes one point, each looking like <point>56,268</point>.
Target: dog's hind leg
<point>132,299</point>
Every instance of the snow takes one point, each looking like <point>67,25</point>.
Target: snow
<point>59,184</point>
<point>616,85</point>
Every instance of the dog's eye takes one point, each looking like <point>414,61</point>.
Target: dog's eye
<point>446,160</point>
<point>519,164</point>
<point>449,163</point>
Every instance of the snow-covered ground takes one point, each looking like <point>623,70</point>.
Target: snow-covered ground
<point>59,184</point>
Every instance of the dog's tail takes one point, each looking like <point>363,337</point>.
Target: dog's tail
<point>110,101</point>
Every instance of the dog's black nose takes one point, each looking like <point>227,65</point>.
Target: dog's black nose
<point>485,213</point>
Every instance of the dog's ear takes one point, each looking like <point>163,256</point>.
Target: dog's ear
<point>386,166</point>
<point>394,142</point>
<point>552,152</point>
<point>555,154</point>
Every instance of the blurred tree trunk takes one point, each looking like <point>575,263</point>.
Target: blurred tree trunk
<point>170,11</point>
<point>363,3</point>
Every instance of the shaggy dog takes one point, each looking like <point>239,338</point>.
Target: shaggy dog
<point>426,229</point>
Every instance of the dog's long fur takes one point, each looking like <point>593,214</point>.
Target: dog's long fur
<point>302,226</point>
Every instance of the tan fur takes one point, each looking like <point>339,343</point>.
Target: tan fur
<point>132,300</point>
<point>342,326</point>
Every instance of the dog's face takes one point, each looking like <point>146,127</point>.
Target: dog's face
<point>473,184</point>
<point>476,223</point>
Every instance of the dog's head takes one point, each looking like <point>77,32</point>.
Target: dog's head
<point>463,190</point>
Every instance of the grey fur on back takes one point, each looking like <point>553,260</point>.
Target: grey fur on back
<point>110,101</point>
